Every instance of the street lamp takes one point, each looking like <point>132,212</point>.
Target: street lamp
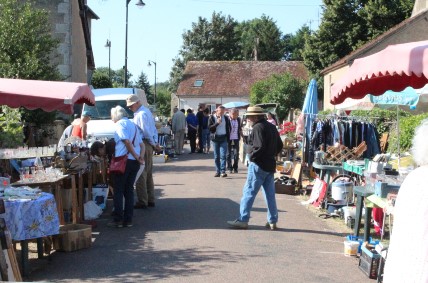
<point>149,64</point>
<point>140,3</point>
<point>108,44</point>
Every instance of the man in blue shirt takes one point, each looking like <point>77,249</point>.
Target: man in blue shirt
<point>192,129</point>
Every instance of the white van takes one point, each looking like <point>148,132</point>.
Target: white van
<point>101,126</point>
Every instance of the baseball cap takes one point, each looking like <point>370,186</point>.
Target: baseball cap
<point>132,99</point>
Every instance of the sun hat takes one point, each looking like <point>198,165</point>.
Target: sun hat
<point>132,99</point>
<point>254,111</point>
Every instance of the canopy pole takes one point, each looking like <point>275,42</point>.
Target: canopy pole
<point>398,137</point>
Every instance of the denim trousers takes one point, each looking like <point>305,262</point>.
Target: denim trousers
<point>124,188</point>
<point>233,155</point>
<point>220,152</point>
<point>206,138</point>
<point>257,178</point>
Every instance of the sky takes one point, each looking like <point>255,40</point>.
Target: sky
<point>155,30</point>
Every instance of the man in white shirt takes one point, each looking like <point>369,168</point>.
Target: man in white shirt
<point>143,118</point>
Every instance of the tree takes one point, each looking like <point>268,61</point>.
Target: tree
<point>206,41</point>
<point>118,78</point>
<point>26,42</point>
<point>345,26</point>
<point>348,24</point>
<point>100,78</point>
<point>380,15</point>
<point>144,84</point>
<point>262,36</point>
<point>295,44</point>
<point>26,50</point>
<point>284,89</point>
<point>163,100</point>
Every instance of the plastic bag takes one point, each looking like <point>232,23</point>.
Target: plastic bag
<point>92,210</point>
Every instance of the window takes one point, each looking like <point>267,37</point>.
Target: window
<point>198,83</point>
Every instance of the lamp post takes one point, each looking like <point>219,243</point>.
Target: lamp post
<point>108,44</point>
<point>149,64</point>
<point>140,3</point>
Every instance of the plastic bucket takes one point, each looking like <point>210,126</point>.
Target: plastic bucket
<point>342,191</point>
<point>351,248</point>
<point>349,211</point>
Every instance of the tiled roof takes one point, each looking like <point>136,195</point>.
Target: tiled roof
<point>377,40</point>
<point>233,78</point>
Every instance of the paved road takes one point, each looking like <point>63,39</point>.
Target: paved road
<point>185,238</point>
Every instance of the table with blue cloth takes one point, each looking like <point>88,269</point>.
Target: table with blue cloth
<point>28,219</point>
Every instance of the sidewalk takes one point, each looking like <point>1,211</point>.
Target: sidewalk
<point>185,238</point>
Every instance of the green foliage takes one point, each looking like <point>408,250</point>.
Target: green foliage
<point>295,44</point>
<point>163,100</point>
<point>378,14</point>
<point>143,84</point>
<point>385,120</point>
<point>407,131</point>
<point>222,38</point>
<point>27,48</point>
<point>101,80</point>
<point>263,35</point>
<point>348,24</point>
<point>284,89</point>
<point>26,42</point>
<point>11,134</point>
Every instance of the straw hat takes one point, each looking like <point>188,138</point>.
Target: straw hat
<point>254,111</point>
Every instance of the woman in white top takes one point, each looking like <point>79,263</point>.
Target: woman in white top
<point>129,141</point>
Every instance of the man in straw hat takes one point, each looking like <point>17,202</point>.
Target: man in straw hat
<point>264,143</point>
<point>143,118</point>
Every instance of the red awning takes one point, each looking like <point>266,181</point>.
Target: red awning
<point>394,68</point>
<point>46,95</point>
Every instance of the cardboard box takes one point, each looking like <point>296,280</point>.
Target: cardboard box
<point>285,189</point>
<point>73,237</point>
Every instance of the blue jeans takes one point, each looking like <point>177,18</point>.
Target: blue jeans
<point>124,187</point>
<point>206,138</point>
<point>220,152</point>
<point>256,178</point>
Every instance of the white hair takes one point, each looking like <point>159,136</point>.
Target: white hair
<point>118,113</point>
<point>420,144</point>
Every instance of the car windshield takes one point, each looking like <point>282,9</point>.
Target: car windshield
<point>101,110</point>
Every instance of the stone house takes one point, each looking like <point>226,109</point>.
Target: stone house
<point>213,83</point>
<point>411,29</point>
<point>71,24</point>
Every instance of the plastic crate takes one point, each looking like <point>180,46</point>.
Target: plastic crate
<point>369,262</point>
<point>360,239</point>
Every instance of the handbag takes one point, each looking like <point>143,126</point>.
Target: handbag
<point>118,164</point>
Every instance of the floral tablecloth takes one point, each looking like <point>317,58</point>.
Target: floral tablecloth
<point>30,219</point>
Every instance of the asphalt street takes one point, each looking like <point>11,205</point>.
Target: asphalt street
<point>185,238</point>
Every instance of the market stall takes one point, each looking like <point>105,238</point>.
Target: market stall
<point>37,215</point>
<point>394,68</point>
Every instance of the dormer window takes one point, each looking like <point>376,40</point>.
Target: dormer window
<point>198,83</point>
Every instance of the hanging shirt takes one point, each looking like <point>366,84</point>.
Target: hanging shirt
<point>234,129</point>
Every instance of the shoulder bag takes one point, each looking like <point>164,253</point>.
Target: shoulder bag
<point>118,164</point>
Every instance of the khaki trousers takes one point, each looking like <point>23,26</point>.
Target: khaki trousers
<point>145,186</point>
<point>179,141</point>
